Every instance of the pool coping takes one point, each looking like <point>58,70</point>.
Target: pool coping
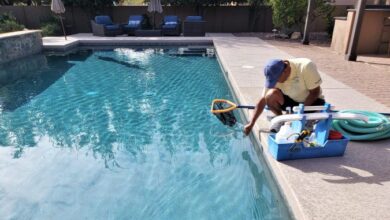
<point>57,44</point>
<point>290,205</point>
<point>255,140</point>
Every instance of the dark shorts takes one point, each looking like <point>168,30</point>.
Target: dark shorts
<point>288,102</point>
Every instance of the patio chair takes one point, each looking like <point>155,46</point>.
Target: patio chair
<point>194,26</point>
<point>135,23</point>
<point>171,26</point>
<point>103,26</point>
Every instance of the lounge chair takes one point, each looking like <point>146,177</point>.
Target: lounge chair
<point>194,26</point>
<point>171,26</point>
<point>135,23</point>
<point>103,26</point>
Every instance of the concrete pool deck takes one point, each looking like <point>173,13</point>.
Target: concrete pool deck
<point>355,186</point>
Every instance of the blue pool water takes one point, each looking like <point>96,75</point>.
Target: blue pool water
<point>124,134</point>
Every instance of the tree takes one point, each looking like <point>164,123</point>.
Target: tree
<point>289,15</point>
<point>254,13</point>
<point>200,2</point>
<point>20,2</point>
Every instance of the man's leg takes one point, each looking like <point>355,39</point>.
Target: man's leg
<point>274,99</point>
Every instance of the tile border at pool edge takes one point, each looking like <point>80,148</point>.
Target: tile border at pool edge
<point>290,205</point>
<point>132,42</point>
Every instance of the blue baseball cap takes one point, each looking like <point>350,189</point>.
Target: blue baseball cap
<point>272,71</point>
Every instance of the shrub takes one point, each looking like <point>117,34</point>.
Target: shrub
<point>51,27</point>
<point>8,23</point>
<point>289,15</point>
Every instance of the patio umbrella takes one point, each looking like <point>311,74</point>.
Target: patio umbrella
<point>58,8</point>
<point>155,6</point>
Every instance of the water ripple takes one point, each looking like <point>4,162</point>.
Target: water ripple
<point>86,138</point>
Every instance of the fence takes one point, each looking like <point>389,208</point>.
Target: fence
<point>219,19</point>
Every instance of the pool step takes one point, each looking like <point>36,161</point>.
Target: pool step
<point>193,51</point>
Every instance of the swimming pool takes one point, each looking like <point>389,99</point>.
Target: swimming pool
<point>125,134</point>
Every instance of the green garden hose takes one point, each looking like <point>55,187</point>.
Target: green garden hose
<point>377,128</point>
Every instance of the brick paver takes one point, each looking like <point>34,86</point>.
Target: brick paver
<point>368,78</point>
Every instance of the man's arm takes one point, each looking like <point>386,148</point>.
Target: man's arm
<point>258,110</point>
<point>313,96</point>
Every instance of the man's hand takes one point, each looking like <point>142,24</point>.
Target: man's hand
<point>313,96</point>
<point>259,108</point>
<point>248,128</point>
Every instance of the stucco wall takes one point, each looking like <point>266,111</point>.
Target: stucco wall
<point>339,35</point>
<point>19,44</point>
<point>370,35</point>
<point>342,32</point>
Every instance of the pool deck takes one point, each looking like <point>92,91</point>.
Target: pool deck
<point>355,186</point>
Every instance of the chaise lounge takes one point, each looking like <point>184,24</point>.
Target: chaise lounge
<point>135,23</point>
<point>103,26</point>
<point>194,26</point>
<point>170,26</point>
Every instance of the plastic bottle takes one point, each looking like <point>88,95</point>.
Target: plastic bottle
<point>285,134</point>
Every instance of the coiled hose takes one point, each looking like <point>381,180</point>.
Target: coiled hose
<point>377,128</point>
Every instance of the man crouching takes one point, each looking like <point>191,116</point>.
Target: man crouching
<point>287,84</point>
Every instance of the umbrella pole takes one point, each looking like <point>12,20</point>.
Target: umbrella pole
<point>154,20</point>
<point>63,28</point>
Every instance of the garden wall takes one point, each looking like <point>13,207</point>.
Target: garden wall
<point>19,44</point>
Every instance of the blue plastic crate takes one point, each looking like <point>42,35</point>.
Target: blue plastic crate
<point>331,148</point>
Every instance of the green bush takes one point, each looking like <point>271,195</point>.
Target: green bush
<point>289,15</point>
<point>8,23</point>
<point>51,26</point>
<point>51,29</point>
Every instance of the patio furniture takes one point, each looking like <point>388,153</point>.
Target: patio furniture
<point>194,26</point>
<point>103,26</point>
<point>135,23</point>
<point>171,26</point>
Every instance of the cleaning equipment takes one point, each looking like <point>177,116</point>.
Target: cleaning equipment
<point>223,110</point>
<point>310,140</point>
<point>285,134</point>
<point>377,128</point>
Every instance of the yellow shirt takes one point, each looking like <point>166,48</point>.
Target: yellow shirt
<point>304,77</point>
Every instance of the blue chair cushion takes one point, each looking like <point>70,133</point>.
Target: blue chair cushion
<point>194,18</point>
<point>136,18</point>
<point>103,19</point>
<point>171,23</point>
<point>112,27</point>
<point>134,24</point>
<point>169,26</point>
<point>171,18</point>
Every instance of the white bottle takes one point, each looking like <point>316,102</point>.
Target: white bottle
<point>285,135</point>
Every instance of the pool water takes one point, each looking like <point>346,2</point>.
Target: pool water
<point>124,134</point>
